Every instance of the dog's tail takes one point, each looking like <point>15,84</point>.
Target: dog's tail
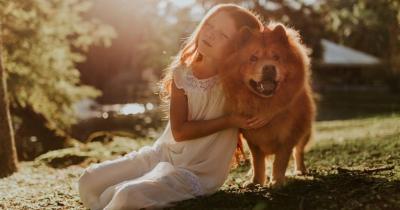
<point>240,156</point>
<point>311,140</point>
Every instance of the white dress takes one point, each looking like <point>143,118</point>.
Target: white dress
<point>168,171</point>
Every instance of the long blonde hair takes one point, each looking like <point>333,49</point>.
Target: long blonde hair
<point>189,53</point>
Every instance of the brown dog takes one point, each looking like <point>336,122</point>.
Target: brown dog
<point>268,75</point>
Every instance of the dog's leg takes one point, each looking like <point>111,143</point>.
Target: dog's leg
<point>279,167</point>
<point>258,165</point>
<point>298,155</point>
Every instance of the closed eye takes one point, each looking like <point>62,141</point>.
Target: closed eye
<point>224,35</point>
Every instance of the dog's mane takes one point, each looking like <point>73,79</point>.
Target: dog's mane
<point>250,101</point>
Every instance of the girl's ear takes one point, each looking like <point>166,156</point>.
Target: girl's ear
<point>279,33</point>
<point>244,36</point>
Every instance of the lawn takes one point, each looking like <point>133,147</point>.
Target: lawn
<point>353,163</point>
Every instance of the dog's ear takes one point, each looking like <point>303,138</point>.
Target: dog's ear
<point>244,36</point>
<point>279,33</point>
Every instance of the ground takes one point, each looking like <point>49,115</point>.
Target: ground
<point>353,164</point>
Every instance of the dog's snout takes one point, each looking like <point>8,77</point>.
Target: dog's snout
<point>269,72</point>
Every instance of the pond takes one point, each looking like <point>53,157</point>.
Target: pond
<point>97,122</point>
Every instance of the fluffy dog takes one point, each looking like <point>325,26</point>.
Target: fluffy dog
<point>268,76</point>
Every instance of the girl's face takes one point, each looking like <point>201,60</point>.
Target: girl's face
<point>215,36</point>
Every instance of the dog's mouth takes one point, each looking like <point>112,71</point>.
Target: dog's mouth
<point>269,82</point>
<point>264,88</point>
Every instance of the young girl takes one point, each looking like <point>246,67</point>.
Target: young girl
<point>193,155</point>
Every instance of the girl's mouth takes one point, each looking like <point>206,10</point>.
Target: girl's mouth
<point>206,43</point>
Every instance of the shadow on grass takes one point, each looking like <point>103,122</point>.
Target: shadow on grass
<point>355,174</point>
<point>350,189</point>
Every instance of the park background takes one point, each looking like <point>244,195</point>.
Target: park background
<point>80,80</point>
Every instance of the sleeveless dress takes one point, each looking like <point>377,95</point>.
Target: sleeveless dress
<point>168,171</point>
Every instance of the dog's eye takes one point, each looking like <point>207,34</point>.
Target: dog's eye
<point>275,57</point>
<point>253,58</point>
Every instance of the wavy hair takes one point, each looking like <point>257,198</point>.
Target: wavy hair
<point>189,53</point>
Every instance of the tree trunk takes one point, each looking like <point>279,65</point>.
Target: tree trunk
<point>393,63</point>
<point>8,154</point>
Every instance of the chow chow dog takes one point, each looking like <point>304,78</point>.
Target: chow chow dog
<point>268,75</point>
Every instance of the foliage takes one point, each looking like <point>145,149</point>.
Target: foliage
<point>43,39</point>
<point>352,20</point>
<point>370,26</point>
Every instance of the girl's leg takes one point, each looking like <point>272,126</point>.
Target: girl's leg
<point>158,188</point>
<point>98,177</point>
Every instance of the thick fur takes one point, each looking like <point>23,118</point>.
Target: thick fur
<point>291,107</point>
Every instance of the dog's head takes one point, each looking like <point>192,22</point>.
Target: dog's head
<point>265,60</point>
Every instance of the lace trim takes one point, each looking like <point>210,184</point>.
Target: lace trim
<point>184,79</point>
<point>203,84</point>
<point>194,181</point>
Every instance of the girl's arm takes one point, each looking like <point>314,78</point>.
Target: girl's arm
<point>183,129</point>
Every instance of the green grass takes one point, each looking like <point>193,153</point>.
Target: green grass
<point>353,164</point>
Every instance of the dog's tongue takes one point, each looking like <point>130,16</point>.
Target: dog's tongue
<point>266,86</point>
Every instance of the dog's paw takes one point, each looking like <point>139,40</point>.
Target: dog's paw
<point>300,172</point>
<point>251,185</point>
<point>276,184</point>
<point>248,184</point>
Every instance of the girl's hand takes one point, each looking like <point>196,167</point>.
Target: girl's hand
<point>257,122</point>
<point>238,121</point>
<point>242,121</point>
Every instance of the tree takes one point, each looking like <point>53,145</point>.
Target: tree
<point>43,41</point>
<point>371,26</point>
<point>8,154</point>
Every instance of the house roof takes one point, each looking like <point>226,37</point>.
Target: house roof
<point>339,55</point>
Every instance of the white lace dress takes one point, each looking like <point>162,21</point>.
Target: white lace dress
<point>168,171</point>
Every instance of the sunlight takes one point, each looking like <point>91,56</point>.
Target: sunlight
<point>149,106</point>
<point>132,109</point>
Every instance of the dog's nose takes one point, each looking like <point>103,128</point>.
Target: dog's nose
<point>269,72</point>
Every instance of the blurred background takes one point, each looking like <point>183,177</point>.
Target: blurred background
<point>87,70</point>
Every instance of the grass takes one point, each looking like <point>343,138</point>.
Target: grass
<point>50,182</point>
<point>353,164</point>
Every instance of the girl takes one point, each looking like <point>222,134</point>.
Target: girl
<point>192,156</point>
